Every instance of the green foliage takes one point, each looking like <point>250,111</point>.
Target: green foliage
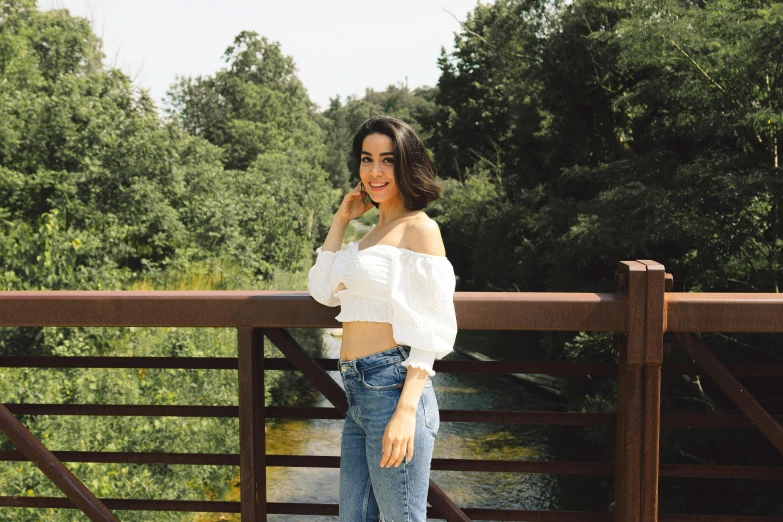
<point>569,136</point>
<point>621,129</point>
<point>654,127</point>
<point>255,106</point>
<point>489,90</point>
<point>98,192</point>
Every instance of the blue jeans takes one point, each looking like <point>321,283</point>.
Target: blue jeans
<point>369,492</point>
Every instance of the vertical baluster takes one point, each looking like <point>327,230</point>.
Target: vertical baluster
<point>252,444</point>
<point>653,358</point>
<point>630,395</point>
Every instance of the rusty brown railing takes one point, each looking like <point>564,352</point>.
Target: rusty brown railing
<point>640,310</point>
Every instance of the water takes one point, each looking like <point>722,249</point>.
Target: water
<point>454,440</point>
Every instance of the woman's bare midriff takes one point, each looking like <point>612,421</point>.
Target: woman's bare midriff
<point>361,338</point>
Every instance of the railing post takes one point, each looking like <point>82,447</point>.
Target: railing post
<point>639,391</point>
<point>630,394</point>
<point>252,444</point>
<point>651,417</point>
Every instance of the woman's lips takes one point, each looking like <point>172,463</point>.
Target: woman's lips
<point>377,189</point>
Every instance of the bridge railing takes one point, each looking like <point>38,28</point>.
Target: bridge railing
<point>640,311</point>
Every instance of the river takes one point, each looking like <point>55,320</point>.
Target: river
<point>454,440</point>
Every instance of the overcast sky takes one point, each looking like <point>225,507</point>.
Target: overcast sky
<point>339,46</point>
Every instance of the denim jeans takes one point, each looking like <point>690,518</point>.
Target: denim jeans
<point>369,492</point>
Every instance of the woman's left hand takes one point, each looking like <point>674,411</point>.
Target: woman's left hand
<point>397,437</point>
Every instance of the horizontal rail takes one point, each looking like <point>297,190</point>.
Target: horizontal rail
<point>123,410</point>
<point>438,464</point>
<point>724,312</point>
<point>533,417</point>
<point>685,312</point>
<point>724,472</point>
<point>704,420</point>
<point>294,412</point>
<point>552,467</point>
<point>494,416</point>
<point>499,367</point>
<point>478,465</point>
<point>716,518</point>
<point>522,515</point>
<point>194,506</point>
<point>556,368</point>
<point>447,366</point>
<point>168,363</point>
<point>283,309</point>
<point>123,457</point>
<point>279,363</point>
<point>737,369</point>
<point>280,508</point>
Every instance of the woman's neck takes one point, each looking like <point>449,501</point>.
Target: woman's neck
<point>389,215</point>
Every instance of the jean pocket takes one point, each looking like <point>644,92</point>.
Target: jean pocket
<point>431,411</point>
<point>383,377</point>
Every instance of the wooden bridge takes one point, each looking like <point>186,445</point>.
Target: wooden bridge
<point>641,310</point>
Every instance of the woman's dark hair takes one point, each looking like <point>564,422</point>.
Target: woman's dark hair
<point>414,171</point>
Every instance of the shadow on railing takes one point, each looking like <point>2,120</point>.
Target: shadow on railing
<point>640,310</point>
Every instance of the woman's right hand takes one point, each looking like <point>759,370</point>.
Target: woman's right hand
<point>353,204</point>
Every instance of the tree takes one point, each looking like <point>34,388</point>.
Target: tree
<point>489,108</point>
<point>254,106</point>
<point>98,192</point>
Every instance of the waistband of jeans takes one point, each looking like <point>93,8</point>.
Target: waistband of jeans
<point>399,352</point>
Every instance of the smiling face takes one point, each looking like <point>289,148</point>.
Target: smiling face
<point>376,167</point>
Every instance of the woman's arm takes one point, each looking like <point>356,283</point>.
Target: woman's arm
<point>401,427</point>
<point>334,239</point>
<point>423,237</point>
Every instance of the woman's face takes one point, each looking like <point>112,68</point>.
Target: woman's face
<point>376,167</point>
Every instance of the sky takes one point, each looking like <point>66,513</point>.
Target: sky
<point>340,47</point>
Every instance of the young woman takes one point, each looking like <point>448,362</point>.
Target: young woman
<point>396,292</point>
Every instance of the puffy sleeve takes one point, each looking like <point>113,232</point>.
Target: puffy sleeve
<point>422,302</point>
<point>318,278</point>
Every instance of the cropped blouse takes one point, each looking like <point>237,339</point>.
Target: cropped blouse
<point>414,292</point>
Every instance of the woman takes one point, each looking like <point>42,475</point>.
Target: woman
<point>396,292</point>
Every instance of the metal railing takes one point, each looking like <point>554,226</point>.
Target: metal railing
<point>640,310</point>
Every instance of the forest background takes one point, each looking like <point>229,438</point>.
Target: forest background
<point>569,136</point>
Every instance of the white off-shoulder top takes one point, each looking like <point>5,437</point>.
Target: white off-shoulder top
<point>383,283</point>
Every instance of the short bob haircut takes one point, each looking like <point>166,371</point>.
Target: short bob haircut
<point>414,171</point>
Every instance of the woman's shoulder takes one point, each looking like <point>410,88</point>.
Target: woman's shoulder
<point>422,235</point>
